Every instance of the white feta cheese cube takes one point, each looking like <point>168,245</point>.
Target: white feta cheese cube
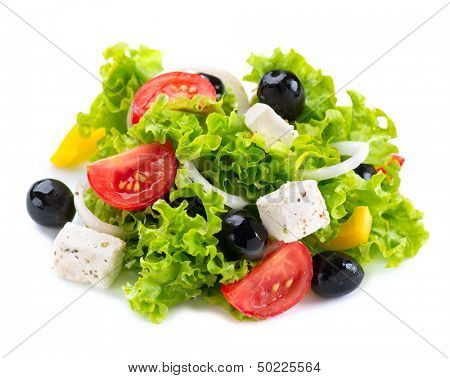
<point>295,210</point>
<point>262,119</point>
<point>87,256</point>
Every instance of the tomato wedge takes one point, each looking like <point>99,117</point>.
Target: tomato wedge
<point>134,179</point>
<point>274,286</point>
<point>400,159</point>
<point>172,84</point>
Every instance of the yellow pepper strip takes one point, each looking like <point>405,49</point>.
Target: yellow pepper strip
<point>353,232</point>
<point>74,148</point>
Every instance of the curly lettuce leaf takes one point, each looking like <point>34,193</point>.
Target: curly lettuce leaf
<point>397,231</point>
<point>122,75</point>
<point>181,256</point>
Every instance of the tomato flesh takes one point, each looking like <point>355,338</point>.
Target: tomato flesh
<point>172,84</point>
<point>134,179</point>
<point>274,286</point>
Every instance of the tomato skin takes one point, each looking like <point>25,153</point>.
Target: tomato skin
<point>275,285</point>
<point>136,178</point>
<point>172,84</point>
<point>400,159</point>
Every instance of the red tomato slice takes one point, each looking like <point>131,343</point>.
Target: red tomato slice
<point>134,179</point>
<point>400,159</point>
<point>172,84</point>
<point>274,286</point>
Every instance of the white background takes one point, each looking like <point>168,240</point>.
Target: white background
<point>41,92</point>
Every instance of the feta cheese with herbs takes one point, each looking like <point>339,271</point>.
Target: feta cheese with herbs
<point>297,209</point>
<point>262,119</point>
<point>87,256</point>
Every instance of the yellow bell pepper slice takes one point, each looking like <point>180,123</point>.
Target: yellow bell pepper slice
<point>353,232</point>
<point>75,148</point>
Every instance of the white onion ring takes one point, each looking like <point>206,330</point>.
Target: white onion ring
<point>88,218</point>
<point>358,152</point>
<point>229,80</point>
<point>235,202</point>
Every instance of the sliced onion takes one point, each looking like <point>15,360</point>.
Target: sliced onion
<point>129,115</point>
<point>235,202</point>
<point>358,152</point>
<point>229,80</point>
<point>88,218</point>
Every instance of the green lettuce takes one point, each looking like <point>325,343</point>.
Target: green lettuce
<point>122,75</point>
<point>397,231</point>
<point>180,255</point>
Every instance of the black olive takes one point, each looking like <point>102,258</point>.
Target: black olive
<point>242,236</point>
<point>50,203</point>
<point>217,84</point>
<point>283,92</point>
<point>366,171</point>
<point>335,274</point>
<point>195,205</point>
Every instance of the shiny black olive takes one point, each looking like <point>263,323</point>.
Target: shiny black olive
<point>195,206</point>
<point>50,203</point>
<point>217,84</point>
<point>242,236</point>
<point>283,92</point>
<point>366,171</point>
<point>335,274</point>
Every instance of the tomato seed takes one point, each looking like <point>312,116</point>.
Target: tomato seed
<point>142,177</point>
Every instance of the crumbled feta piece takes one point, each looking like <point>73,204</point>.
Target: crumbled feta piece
<point>262,119</point>
<point>87,256</point>
<point>295,210</point>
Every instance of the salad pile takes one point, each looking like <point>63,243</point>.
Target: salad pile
<point>203,192</point>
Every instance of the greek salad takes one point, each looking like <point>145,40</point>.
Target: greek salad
<point>206,192</point>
